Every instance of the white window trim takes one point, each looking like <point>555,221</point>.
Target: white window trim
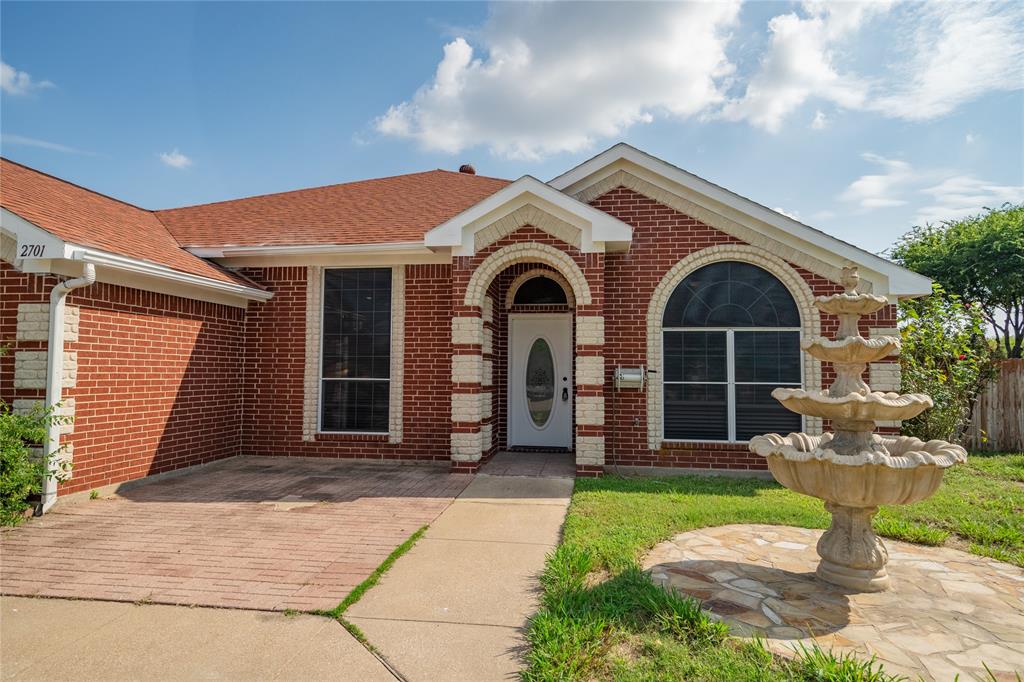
<point>314,361</point>
<point>810,322</point>
<point>730,379</point>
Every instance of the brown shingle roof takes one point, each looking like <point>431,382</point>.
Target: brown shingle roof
<point>385,210</point>
<point>87,218</point>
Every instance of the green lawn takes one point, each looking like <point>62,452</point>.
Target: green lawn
<point>625,628</point>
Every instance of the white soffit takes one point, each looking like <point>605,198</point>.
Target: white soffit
<point>900,282</point>
<point>599,231</point>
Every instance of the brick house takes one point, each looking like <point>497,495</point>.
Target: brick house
<point>439,316</point>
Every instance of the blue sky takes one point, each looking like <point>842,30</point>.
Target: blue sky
<point>859,119</point>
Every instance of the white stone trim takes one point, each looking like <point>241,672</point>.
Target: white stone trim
<point>487,309</point>
<point>590,450</point>
<point>884,376</point>
<point>34,322</point>
<point>467,368</point>
<point>486,438</point>
<point>487,367</point>
<point>397,388</point>
<point>466,447</point>
<point>522,279</point>
<point>467,407</point>
<point>810,320</point>
<point>523,216</point>
<point>467,330</point>
<point>311,375</point>
<point>488,345</point>
<point>590,410</point>
<point>486,407</point>
<point>476,289</point>
<point>66,409</point>
<point>30,369</point>
<point>589,330</point>
<point>590,370</point>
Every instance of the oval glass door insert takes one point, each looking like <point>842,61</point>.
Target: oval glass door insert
<point>540,382</point>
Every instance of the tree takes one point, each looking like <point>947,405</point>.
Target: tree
<point>946,356</point>
<point>981,259</point>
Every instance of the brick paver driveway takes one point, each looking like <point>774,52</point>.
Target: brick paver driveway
<point>248,532</point>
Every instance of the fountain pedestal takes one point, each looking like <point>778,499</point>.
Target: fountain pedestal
<point>853,469</point>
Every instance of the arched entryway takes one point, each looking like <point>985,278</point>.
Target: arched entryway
<point>528,370</point>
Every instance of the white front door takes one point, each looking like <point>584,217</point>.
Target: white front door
<point>540,380</point>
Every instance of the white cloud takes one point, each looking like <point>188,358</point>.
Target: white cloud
<point>176,159</point>
<point>789,214</point>
<point>800,64</point>
<point>10,138</point>
<point>970,138</point>
<point>961,50</point>
<point>963,195</point>
<point>546,78</point>
<point>820,121</point>
<point>955,52</point>
<point>881,190</point>
<point>14,82</point>
<point>939,194</point>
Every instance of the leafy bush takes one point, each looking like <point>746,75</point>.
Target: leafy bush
<point>981,259</point>
<point>21,470</point>
<point>946,356</point>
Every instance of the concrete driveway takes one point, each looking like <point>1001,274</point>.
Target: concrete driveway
<point>248,532</point>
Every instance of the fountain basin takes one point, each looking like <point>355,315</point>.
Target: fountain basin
<point>853,406</point>
<point>852,349</point>
<point>851,303</point>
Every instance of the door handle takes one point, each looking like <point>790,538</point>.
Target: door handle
<point>565,394</point>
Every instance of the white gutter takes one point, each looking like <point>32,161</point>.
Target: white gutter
<point>163,272</point>
<point>55,376</point>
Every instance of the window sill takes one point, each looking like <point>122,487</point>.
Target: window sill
<point>352,436</point>
<point>697,444</point>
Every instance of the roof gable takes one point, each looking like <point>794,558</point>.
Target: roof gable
<point>528,201</point>
<point>801,244</point>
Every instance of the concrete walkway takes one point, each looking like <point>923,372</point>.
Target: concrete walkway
<point>59,639</point>
<point>454,607</point>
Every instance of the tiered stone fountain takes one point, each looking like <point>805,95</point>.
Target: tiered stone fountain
<point>854,469</point>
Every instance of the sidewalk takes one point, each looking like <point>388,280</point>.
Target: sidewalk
<point>60,639</point>
<point>454,607</point>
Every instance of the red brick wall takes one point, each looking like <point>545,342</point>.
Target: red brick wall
<point>662,237</point>
<point>275,346</point>
<point>159,378</point>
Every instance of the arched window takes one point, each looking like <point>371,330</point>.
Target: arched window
<point>540,291</point>
<point>731,335</point>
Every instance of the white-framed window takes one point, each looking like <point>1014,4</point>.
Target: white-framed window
<point>730,335</point>
<point>355,351</point>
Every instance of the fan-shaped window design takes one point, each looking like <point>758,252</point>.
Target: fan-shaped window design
<point>540,291</point>
<point>731,294</point>
<point>731,335</point>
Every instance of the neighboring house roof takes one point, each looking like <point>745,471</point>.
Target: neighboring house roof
<point>382,211</point>
<point>87,218</point>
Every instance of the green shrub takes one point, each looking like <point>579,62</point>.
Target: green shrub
<point>21,470</point>
<point>945,355</point>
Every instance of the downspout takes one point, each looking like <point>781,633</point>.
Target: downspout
<point>55,375</point>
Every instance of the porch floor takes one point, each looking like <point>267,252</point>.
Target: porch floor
<point>542,464</point>
<point>269,533</point>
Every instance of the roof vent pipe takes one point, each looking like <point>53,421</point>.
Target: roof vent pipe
<point>467,169</point>
<point>54,378</point>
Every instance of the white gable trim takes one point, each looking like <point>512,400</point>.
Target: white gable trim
<point>820,249</point>
<point>598,231</point>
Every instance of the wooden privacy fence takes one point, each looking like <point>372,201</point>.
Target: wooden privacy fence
<point>998,423</point>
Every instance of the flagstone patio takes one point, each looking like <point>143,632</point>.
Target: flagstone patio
<point>948,613</point>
